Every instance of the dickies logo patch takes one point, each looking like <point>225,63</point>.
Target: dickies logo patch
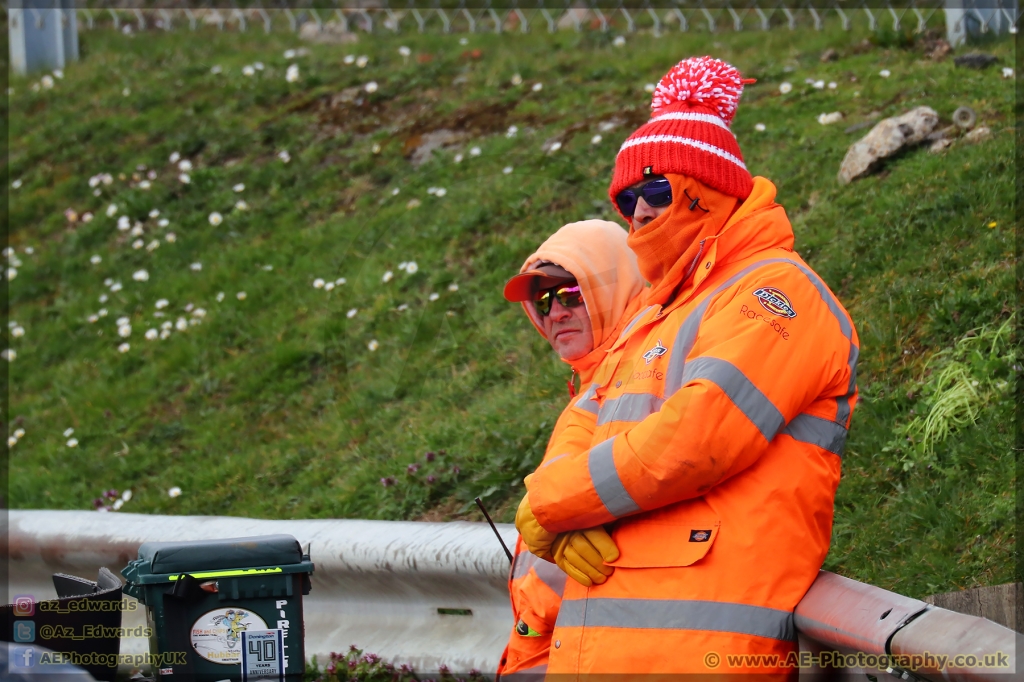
<point>655,352</point>
<point>700,535</point>
<point>775,302</point>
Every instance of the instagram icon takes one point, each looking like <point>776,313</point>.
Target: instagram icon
<point>24,605</point>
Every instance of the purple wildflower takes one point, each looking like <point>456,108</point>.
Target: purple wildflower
<point>412,468</point>
<point>330,669</point>
<point>430,456</point>
<point>112,494</point>
<point>353,647</point>
<point>456,469</point>
<point>353,663</point>
<point>371,658</point>
<point>430,479</point>
<point>97,503</point>
<point>404,668</point>
<point>443,669</point>
<point>387,481</point>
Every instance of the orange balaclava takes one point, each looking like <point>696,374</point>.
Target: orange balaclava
<point>667,248</point>
<point>595,252</point>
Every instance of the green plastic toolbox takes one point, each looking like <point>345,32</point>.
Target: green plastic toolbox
<point>200,596</point>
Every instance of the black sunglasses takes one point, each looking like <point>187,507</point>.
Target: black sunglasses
<point>657,192</point>
<point>569,295</point>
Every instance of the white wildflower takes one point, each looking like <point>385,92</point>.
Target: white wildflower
<point>511,132</point>
<point>596,139</point>
<point>328,286</point>
<point>155,213</point>
<point>165,326</point>
<point>11,273</point>
<point>404,306</point>
<point>284,156</point>
<point>153,245</point>
<point>289,54</point>
<point>174,492</point>
<point>152,334</point>
<point>196,267</point>
<point>507,170</point>
<point>819,85</point>
<point>47,82</point>
<point>20,433</point>
<point>362,61</point>
<point>373,345</point>
<point>404,51</point>
<point>216,69</point>
<point>832,85</point>
<point>785,87</point>
<point>349,59</point>
<point>184,178</point>
<point>387,276</point>
<point>759,127</point>
<point>352,313</point>
<point>828,119</point>
<point>517,79</point>
<point>474,151</point>
<point>116,287</point>
<point>58,73</point>
<point>555,146</point>
<point>885,73</point>
<point>96,259</point>
<point>239,187</point>
<point>11,441</point>
<point>111,210</point>
<point>619,41</point>
<point>175,156</point>
<point>219,296</point>
<point>87,217</point>
<point>411,268</point>
<point>102,312</point>
<point>93,319</point>
<point>292,74</point>
<point>248,70</point>
<point>145,184</point>
<point>434,296</point>
<point>649,87</point>
<point>138,244</point>
<point>537,87</point>
<point>457,158</point>
<point>185,165</point>
<point>164,333</point>
<point>9,354</point>
<point>371,86</point>
<point>68,432</point>
<point>18,332</point>
<point>240,295</point>
<point>199,312</point>
<point>124,348</point>
<point>216,219</point>
<point>124,331</point>
<point>16,184</point>
<point>161,304</point>
<point>340,281</point>
<point>1007,72</point>
<point>453,287</point>
<point>318,283</point>
<point>117,505</point>
<point>181,324</point>
<point>171,237</point>
<point>73,442</point>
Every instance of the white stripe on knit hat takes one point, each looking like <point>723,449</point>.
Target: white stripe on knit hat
<point>703,146</point>
<point>690,116</point>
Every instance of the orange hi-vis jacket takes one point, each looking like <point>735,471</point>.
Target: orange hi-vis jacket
<point>595,251</point>
<point>713,461</point>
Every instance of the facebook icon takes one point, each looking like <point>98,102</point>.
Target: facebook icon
<point>24,657</point>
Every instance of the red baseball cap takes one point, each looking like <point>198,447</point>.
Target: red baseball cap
<point>526,285</point>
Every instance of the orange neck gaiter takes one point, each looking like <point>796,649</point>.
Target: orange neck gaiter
<point>667,248</point>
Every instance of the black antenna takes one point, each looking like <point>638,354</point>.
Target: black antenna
<point>488,517</point>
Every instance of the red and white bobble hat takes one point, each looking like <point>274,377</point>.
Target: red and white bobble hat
<point>688,132</point>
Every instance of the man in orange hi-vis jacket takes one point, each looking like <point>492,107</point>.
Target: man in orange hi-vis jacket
<point>579,289</point>
<point>722,411</point>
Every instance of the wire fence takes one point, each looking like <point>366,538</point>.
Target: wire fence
<point>373,16</point>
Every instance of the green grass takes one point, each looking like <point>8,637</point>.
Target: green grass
<point>274,406</point>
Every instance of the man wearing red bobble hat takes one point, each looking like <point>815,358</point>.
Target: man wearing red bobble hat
<point>723,408</point>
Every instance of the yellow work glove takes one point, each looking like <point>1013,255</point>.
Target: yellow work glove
<point>582,554</point>
<point>537,540</point>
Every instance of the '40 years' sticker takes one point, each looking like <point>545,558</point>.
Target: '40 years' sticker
<point>217,634</point>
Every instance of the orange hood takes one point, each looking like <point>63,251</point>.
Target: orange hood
<point>595,251</point>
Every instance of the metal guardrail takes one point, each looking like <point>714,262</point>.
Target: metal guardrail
<point>523,15</point>
<point>383,584</point>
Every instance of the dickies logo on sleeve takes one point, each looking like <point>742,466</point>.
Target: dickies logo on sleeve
<point>700,535</point>
<point>775,302</point>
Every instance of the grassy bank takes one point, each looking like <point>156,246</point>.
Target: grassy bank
<point>280,401</point>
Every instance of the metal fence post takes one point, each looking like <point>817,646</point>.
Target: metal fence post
<point>42,36</point>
